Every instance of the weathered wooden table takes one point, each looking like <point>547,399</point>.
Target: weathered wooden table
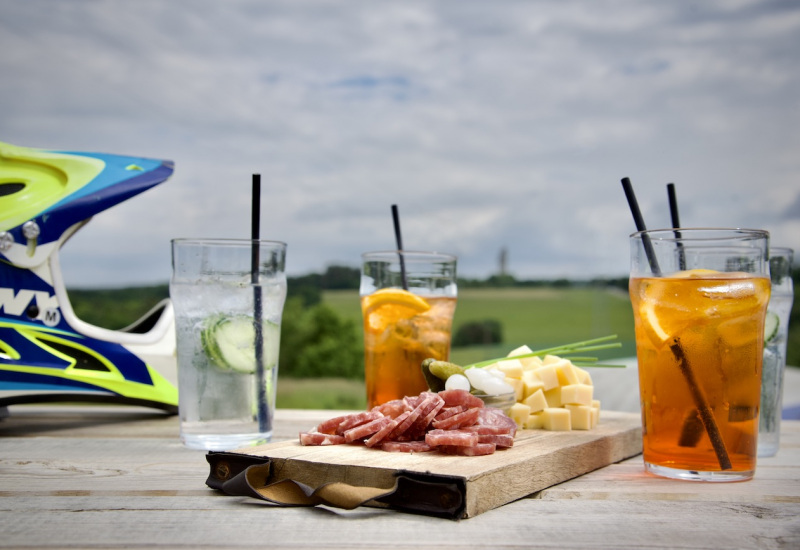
<point>113,478</point>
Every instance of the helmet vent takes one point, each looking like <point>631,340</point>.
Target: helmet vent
<point>11,187</point>
<point>83,360</point>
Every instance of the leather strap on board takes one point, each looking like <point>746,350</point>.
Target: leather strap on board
<point>433,495</point>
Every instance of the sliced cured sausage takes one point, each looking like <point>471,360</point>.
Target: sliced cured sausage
<point>357,419</point>
<point>406,446</point>
<point>466,418</point>
<point>479,449</point>
<point>317,438</point>
<point>365,430</point>
<point>460,397</point>
<point>451,437</point>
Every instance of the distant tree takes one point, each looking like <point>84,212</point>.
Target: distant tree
<point>478,333</point>
<point>338,277</point>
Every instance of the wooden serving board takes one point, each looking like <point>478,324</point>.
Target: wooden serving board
<point>438,484</point>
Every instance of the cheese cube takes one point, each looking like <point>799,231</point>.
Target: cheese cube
<point>512,368</point>
<point>556,419</point>
<point>581,416</point>
<point>550,359</point>
<point>553,397</point>
<point>547,374</point>
<point>566,373</point>
<point>519,387</point>
<point>527,362</point>
<point>583,376</point>
<point>531,383</point>
<point>534,422</point>
<point>595,416</point>
<point>532,363</point>
<point>536,401</point>
<point>519,413</point>
<point>576,394</point>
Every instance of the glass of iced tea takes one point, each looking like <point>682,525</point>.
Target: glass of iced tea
<point>699,301</point>
<point>407,301</point>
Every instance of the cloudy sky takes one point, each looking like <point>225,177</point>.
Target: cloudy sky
<point>503,124</point>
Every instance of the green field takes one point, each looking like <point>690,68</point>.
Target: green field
<point>538,317</point>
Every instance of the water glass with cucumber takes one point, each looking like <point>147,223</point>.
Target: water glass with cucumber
<point>776,330</point>
<point>228,297</point>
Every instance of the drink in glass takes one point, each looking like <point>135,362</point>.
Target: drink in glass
<point>699,299</point>
<point>227,321</point>
<point>775,339</point>
<point>407,300</point>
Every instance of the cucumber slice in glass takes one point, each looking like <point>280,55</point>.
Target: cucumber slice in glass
<point>771,326</point>
<point>229,342</point>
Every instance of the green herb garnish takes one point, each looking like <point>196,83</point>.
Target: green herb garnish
<point>565,350</point>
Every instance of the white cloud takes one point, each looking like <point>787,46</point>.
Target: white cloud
<point>491,125</point>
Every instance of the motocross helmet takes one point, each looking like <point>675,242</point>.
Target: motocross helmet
<point>47,354</point>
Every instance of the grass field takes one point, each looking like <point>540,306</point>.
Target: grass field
<point>538,317</point>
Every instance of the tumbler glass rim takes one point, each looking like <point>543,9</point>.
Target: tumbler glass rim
<point>701,233</point>
<point>218,241</point>
<point>419,254</point>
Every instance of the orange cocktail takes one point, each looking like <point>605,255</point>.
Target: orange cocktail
<point>407,301</point>
<point>699,340</point>
<point>401,330</point>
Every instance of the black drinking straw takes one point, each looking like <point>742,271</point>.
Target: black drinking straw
<point>676,223</point>
<point>264,423</point>
<point>399,238</point>
<point>706,415</point>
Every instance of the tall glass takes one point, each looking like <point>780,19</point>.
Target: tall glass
<point>775,339</point>
<point>699,300</point>
<point>407,300</point>
<point>228,297</point>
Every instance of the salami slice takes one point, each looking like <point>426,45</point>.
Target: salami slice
<point>491,416</point>
<point>365,430</point>
<point>460,397</point>
<point>393,408</point>
<point>317,438</point>
<point>466,418</point>
<point>501,441</point>
<point>447,412</point>
<point>357,419</point>
<point>388,425</point>
<point>406,446</point>
<point>430,408</point>
<point>329,426</point>
<point>479,449</point>
<point>456,438</point>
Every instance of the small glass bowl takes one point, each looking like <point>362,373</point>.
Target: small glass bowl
<point>502,401</point>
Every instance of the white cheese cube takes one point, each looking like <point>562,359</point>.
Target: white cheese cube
<point>536,401</point>
<point>556,420</point>
<point>577,394</point>
<point>581,416</point>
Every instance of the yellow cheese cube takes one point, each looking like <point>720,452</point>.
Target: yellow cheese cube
<point>556,419</point>
<point>532,363</point>
<point>519,413</point>
<point>580,416</point>
<point>550,359</point>
<point>547,374</point>
<point>596,403</point>
<point>577,394</point>
<point>595,416</point>
<point>512,368</point>
<point>566,373</point>
<point>527,362</point>
<point>536,401</point>
<point>553,397</point>
<point>522,350</point>
<point>530,383</point>
<point>519,387</point>
<point>583,376</point>
<point>534,422</point>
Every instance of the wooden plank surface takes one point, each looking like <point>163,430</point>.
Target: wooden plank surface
<point>62,490</point>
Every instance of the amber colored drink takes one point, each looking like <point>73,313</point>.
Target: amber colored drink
<point>699,341</point>
<point>401,330</point>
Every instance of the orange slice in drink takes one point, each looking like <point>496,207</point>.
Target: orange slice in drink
<point>387,306</point>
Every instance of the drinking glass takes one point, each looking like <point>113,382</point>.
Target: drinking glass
<point>699,300</point>
<point>407,300</point>
<point>228,296</point>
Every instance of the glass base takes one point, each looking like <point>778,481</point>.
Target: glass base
<point>694,475</point>
<point>226,442</point>
<point>768,444</point>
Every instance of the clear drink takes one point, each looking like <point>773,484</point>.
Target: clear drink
<point>226,391</point>
<point>775,340</point>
